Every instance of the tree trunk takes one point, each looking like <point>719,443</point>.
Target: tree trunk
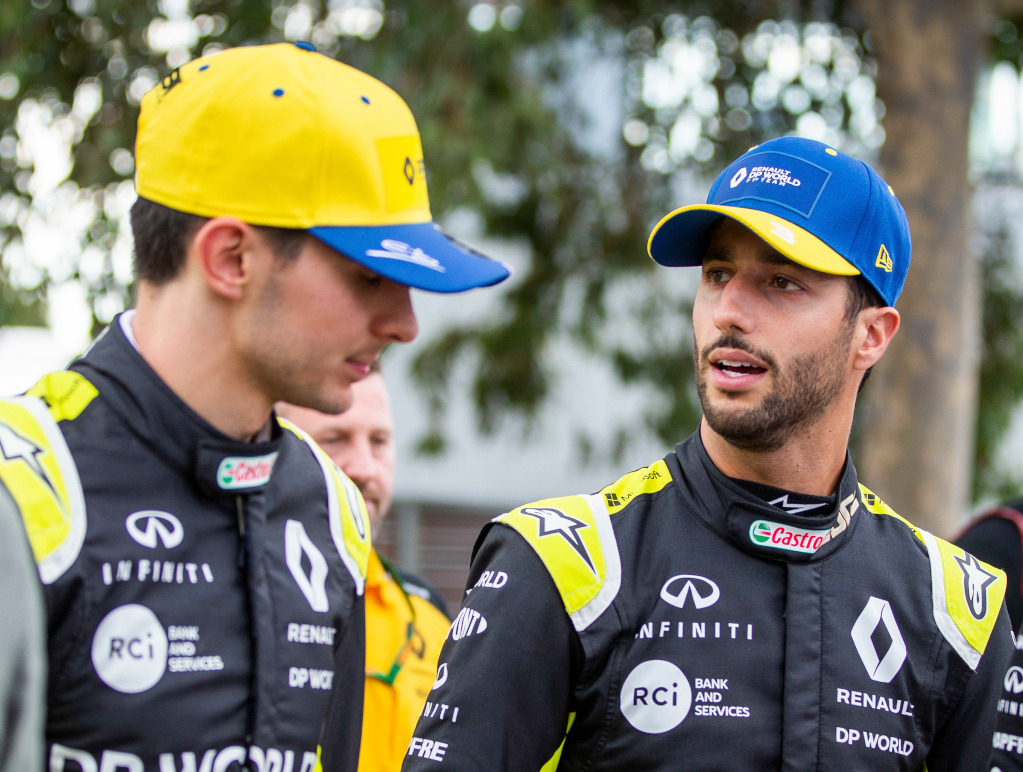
<point>918,431</point>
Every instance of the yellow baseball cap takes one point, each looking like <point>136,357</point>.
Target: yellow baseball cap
<point>280,135</point>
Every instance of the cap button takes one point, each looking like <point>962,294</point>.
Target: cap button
<point>305,45</point>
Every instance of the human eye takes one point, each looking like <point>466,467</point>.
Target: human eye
<point>714,274</point>
<point>784,283</point>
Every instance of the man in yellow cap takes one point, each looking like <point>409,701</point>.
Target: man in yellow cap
<point>406,619</point>
<point>203,567</point>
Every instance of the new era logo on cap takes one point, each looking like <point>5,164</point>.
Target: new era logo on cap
<point>884,260</point>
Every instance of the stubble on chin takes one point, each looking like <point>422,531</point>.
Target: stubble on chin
<point>798,396</point>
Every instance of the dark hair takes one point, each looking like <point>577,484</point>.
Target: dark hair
<point>861,295</point>
<point>162,236</point>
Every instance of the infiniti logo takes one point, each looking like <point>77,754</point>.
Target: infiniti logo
<point>151,527</point>
<point>1014,680</point>
<point>442,676</point>
<point>701,589</point>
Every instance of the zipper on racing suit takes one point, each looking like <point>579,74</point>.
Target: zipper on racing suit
<point>243,553</point>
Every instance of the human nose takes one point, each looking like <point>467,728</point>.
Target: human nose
<point>396,319</point>
<point>733,309</point>
<point>359,463</point>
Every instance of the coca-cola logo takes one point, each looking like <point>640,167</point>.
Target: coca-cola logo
<point>241,472</point>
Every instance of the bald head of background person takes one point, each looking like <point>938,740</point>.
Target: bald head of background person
<point>406,621</point>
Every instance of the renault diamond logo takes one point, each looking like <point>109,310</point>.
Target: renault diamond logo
<point>702,590</point>
<point>880,669</point>
<point>151,527</point>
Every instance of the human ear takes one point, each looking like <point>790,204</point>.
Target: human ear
<point>221,249</point>
<point>877,328</point>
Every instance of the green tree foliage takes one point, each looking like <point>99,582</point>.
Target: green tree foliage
<point>514,100</point>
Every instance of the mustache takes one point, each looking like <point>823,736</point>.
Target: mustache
<point>737,343</point>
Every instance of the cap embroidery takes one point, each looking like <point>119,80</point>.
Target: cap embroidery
<point>169,81</point>
<point>393,249</point>
<point>884,260</point>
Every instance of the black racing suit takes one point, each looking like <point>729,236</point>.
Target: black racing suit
<point>674,620</point>
<point>203,595</point>
<point>1007,740</point>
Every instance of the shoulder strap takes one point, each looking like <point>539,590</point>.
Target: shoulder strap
<point>966,593</point>
<point>349,520</point>
<point>38,470</point>
<point>574,539</point>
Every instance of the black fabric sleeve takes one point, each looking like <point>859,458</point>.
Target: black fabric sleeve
<point>504,683</point>
<point>962,743</point>
<point>1007,739</point>
<point>341,733</point>
<point>996,540</point>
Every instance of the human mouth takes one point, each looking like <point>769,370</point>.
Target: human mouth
<point>360,367</point>
<point>736,369</point>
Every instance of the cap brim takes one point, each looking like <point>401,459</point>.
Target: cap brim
<point>417,255</point>
<point>681,238</point>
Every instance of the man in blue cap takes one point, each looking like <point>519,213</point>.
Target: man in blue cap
<point>743,603</point>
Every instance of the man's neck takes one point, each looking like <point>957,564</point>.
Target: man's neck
<point>191,353</point>
<point>809,463</point>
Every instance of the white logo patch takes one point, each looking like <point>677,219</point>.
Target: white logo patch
<point>882,670</point>
<point>151,527</point>
<point>738,177</point>
<point>783,232</point>
<point>554,522</point>
<point>392,249</point>
<point>129,649</point>
<point>314,585</point>
<point>656,697</point>
<point>442,676</point>
<point>1014,680</point>
<point>677,589</point>
<point>975,583</point>
<point>243,472</point>
<point>468,622</point>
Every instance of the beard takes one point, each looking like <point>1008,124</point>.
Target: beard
<point>800,395</point>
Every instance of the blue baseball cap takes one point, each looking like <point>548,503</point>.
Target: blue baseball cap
<point>816,206</point>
